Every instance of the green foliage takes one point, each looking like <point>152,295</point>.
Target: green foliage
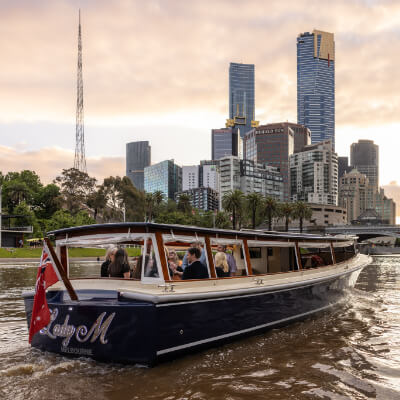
<point>233,202</point>
<point>76,187</point>
<point>302,212</point>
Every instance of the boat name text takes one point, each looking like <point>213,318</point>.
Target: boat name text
<point>82,333</point>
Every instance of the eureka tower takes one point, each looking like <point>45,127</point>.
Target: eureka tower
<point>316,84</point>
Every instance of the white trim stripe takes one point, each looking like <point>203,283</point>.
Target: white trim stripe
<point>254,328</point>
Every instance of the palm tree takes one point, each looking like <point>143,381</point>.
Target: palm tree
<point>233,203</point>
<point>149,202</point>
<point>302,212</point>
<point>253,202</point>
<point>286,211</point>
<point>270,207</point>
<point>184,204</point>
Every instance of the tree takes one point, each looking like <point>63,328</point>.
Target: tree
<point>222,220</point>
<point>184,204</point>
<point>271,208</point>
<point>149,206</point>
<point>302,212</point>
<point>286,212</point>
<point>20,186</point>
<point>233,203</point>
<point>47,201</point>
<point>76,187</point>
<point>253,202</point>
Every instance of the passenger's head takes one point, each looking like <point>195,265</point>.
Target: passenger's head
<point>172,255</point>
<point>119,257</point>
<point>193,254</point>
<point>110,250</point>
<point>221,248</point>
<point>220,261</point>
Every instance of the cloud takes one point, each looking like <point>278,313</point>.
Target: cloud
<point>49,163</point>
<point>139,57</point>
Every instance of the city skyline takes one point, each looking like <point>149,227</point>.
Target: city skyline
<point>135,87</point>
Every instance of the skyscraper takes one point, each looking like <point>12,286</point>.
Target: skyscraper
<point>241,97</point>
<point>165,176</point>
<point>138,156</point>
<point>364,156</point>
<point>316,84</point>
<point>273,144</point>
<point>225,142</point>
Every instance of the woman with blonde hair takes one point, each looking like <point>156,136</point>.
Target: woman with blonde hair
<point>107,262</point>
<point>221,264</point>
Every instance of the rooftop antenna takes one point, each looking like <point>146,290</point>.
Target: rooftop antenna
<point>80,159</point>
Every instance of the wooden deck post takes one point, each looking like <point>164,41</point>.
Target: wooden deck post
<point>247,256</point>
<point>163,258</point>
<point>210,257</point>
<point>62,272</point>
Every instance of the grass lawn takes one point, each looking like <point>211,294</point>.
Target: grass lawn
<point>27,252</point>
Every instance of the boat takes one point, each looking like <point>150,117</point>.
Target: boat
<point>280,278</point>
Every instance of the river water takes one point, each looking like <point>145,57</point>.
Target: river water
<point>350,352</point>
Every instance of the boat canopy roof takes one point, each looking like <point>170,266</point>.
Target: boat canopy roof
<point>100,234</point>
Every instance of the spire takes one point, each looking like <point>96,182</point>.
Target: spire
<point>80,159</point>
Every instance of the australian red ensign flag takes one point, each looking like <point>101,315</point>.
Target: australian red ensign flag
<point>47,275</point>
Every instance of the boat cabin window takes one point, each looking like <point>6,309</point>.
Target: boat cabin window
<point>315,257</point>
<point>176,253</point>
<point>272,257</point>
<point>344,253</point>
<point>228,256</point>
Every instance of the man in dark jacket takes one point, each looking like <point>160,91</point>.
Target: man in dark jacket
<point>195,269</point>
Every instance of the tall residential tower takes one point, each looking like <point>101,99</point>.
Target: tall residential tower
<point>241,97</point>
<point>316,84</point>
<point>138,157</point>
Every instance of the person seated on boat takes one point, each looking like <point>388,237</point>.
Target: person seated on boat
<point>150,264</point>
<point>175,271</point>
<point>202,257</point>
<point>107,262</point>
<point>195,269</point>
<point>118,268</point>
<point>316,261</point>
<point>221,265</point>
<point>230,259</point>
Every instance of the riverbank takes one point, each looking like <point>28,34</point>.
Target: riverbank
<point>32,254</point>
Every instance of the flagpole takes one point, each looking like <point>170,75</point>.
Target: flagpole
<point>61,271</point>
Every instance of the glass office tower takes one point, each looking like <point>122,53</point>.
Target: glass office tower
<point>316,84</point>
<point>241,96</point>
<point>165,176</point>
<point>138,156</point>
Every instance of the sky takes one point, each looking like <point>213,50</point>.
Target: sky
<point>158,71</point>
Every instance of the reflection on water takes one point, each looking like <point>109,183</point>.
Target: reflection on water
<point>352,352</point>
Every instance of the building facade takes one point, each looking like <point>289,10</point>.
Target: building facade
<point>190,177</point>
<point>354,191</point>
<point>225,142</point>
<point>314,174</point>
<point>385,207</point>
<point>249,177</point>
<point>138,157</point>
<point>209,176</point>
<point>273,144</point>
<point>241,96</point>
<point>316,84</point>
<point>364,156</point>
<point>165,176</point>
<point>202,198</point>
<point>343,166</point>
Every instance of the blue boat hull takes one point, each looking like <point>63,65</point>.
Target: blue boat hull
<point>110,328</point>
